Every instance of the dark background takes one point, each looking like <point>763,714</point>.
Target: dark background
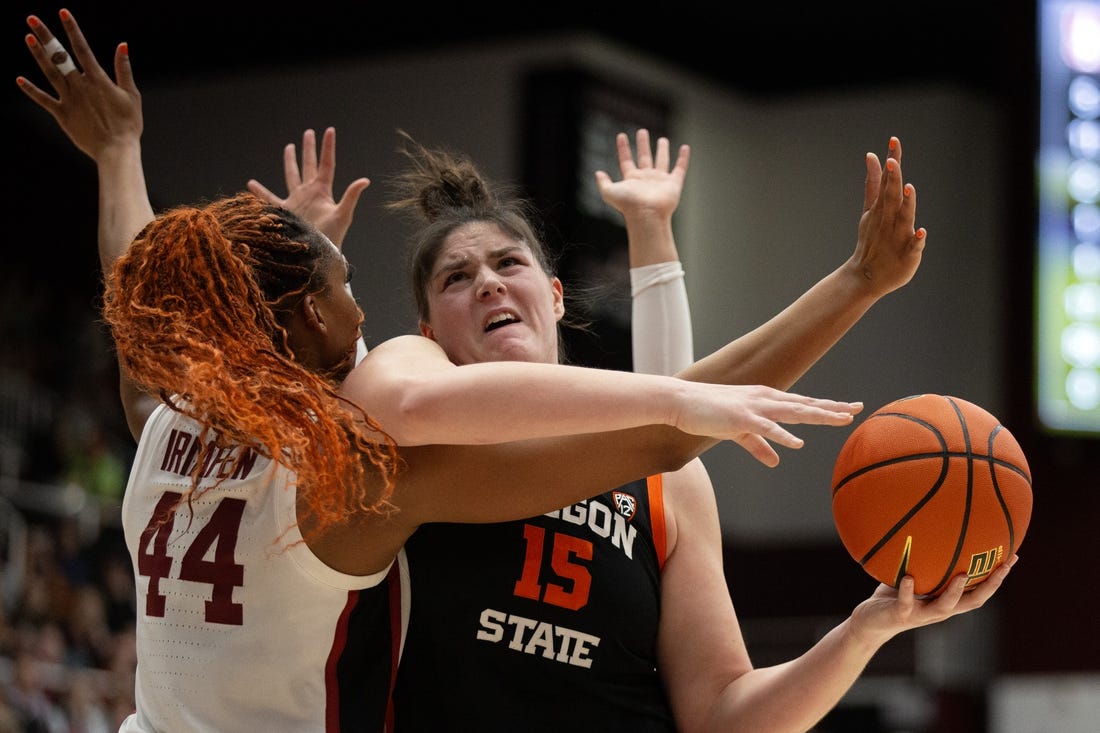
<point>758,48</point>
<point>765,50</point>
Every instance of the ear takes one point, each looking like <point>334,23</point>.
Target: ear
<point>311,314</point>
<point>559,298</point>
<point>426,330</point>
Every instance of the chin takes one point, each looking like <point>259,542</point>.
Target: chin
<point>339,371</point>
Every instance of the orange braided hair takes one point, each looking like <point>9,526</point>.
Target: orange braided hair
<point>194,307</point>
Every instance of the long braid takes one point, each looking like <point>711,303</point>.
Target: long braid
<point>194,308</point>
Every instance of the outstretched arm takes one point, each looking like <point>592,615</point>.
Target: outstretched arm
<point>417,395</point>
<point>887,254</point>
<point>793,696</point>
<point>104,121</point>
<point>646,196</point>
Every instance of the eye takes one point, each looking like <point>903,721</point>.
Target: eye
<point>351,273</point>
<point>454,277</point>
<point>509,262</point>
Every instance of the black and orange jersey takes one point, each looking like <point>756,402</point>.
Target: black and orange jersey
<point>543,624</point>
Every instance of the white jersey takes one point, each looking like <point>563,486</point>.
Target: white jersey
<point>239,626</point>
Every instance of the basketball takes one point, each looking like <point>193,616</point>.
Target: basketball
<point>931,486</point>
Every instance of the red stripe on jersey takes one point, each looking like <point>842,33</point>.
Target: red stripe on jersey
<point>332,685</point>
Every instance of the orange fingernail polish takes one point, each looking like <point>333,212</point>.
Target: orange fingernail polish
<point>31,40</point>
<point>920,233</point>
<point>891,164</point>
<point>893,143</point>
<point>32,21</point>
<point>65,14</point>
<point>125,48</point>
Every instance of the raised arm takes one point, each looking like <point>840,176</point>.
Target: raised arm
<point>887,254</point>
<point>647,195</point>
<point>104,121</point>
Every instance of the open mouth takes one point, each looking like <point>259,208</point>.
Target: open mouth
<point>499,320</point>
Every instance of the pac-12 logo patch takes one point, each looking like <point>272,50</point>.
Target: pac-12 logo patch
<point>625,503</point>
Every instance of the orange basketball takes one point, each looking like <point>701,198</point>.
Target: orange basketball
<point>931,486</point>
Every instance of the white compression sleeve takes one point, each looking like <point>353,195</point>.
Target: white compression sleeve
<point>661,336</point>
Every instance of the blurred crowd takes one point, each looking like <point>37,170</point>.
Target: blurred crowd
<point>67,655</point>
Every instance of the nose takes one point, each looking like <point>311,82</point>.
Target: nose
<point>489,284</point>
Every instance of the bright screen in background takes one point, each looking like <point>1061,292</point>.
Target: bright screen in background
<point>1068,171</point>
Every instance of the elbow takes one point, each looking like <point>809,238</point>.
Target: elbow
<point>407,419</point>
<point>396,404</point>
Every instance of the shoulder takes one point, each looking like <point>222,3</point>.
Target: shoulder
<point>397,357</point>
<point>403,347</point>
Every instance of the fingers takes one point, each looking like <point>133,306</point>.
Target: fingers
<point>262,192</point>
<point>950,596</point>
<point>759,449</point>
<point>347,202</point>
<point>645,154</point>
<point>682,160</point>
<point>626,156</point>
<point>774,407</point>
<point>815,405</point>
<point>906,596</point>
<point>309,155</point>
<point>603,183</point>
<point>36,42</point>
<point>36,95</point>
<point>291,173</point>
<point>36,45</point>
<point>872,182</point>
<point>81,50</point>
<point>894,149</point>
<point>977,596</point>
<point>327,169</point>
<point>891,193</point>
<point>124,72</point>
<point>663,157</point>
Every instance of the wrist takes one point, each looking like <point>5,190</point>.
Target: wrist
<point>644,277</point>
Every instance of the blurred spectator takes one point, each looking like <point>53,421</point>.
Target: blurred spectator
<point>27,696</point>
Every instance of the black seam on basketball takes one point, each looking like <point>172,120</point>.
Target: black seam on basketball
<point>889,535</point>
<point>960,536</point>
<point>912,457</point>
<point>905,416</point>
<point>1000,495</point>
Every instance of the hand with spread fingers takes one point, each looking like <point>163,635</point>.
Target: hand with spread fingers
<point>309,188</point>
<point>82,96</point>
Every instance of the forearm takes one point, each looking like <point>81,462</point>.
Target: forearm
<point>660,335</point>
<point>504,401</point>
<point>124,207</point>
<point>781,350</point>
<point>794,696</point>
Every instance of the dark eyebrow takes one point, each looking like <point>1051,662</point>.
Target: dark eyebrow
<point>457,263</point>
